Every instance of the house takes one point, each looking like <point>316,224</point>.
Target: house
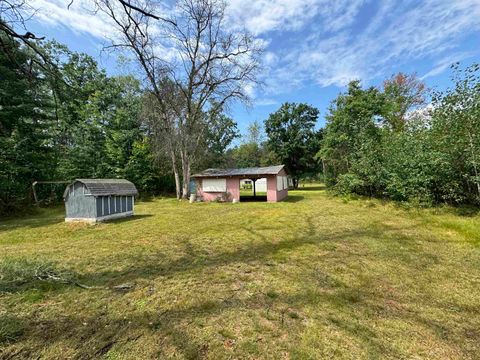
<point>95,200</point>
<point>224,184</point>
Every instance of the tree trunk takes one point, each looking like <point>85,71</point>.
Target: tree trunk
<point>176,174</point>
<point>324,171</point>
<point>295,182</point>
<point>185,175</point>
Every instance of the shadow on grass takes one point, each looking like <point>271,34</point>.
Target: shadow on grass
<point>101,331</point>
<point>467,211</point>
<point>251,198</point>
<point>95,335</point>
<point>310,188</point>
<point>31,222</point>
<point>294,198</point>
<point>194,260</point>
<point>129,218</point>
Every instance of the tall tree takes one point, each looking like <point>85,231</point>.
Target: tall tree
<point>211,66</point>
<point>290,132</point>
<point>456,129</point>
<point>403,93</point>
<point>351,134</point>
<point>25,139</point>
<point>221,132</point>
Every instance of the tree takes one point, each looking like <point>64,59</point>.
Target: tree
<point>25,139</point>
<point>456,130</point>
<point>255,133</point>
<point>211,66</point>
<point>221,132</point>
<point>403,93</point>
<point>352,137</point>
<point>252,151</point>
<point>290,132</point>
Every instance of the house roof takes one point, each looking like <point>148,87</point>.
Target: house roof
<point>251,171</point>
<point>102,187</point>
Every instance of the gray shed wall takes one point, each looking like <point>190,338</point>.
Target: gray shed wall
<point>79,205</point>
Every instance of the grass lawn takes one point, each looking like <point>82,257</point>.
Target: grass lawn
<point>312,277</point>
<point>249,192</point>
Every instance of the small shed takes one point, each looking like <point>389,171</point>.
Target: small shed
<point>95,200</point>
<point>224,184</point>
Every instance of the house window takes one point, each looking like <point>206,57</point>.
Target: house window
<point>214,185</point>
<point>279,183</point>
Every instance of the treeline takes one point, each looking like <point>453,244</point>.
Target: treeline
<point>64,118</point>
<point>389,143</point>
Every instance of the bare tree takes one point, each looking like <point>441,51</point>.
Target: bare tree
<point>162,125</point>
<point>209,66</point>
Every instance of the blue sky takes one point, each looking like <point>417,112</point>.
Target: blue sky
<point>312,47</point>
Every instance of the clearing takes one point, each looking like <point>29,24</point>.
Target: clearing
<point>311,277</point>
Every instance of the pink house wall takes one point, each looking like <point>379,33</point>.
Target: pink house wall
<point>233,189</point>
<point>273,195</point>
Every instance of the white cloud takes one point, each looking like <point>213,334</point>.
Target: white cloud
<point>80,17</point>
<point>322,41</point>
<point>445,63</point>
<point>267,15</point>
<point>266,102</point>
<point>263,16</point>
<point>395,34</point>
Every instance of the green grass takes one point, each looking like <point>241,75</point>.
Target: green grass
<point>249,192</point>
<point>311,277</point>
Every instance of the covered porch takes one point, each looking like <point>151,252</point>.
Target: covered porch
<point>225,184</point>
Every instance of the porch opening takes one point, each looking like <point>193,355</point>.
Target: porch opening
<point>253,189</point>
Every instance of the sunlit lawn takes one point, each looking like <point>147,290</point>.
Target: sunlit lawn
<point>311,277</point>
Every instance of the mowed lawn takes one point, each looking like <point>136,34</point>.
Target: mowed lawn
<point>312,277</point>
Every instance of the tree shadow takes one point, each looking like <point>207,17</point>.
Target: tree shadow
<point>467,211</point>
<point>128,218</point>
<point>294,198</point>
<point>310,188</point>
<point>94,334</point>
<point>31,222</point>
<point>161,265</point>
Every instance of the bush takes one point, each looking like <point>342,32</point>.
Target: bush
<point>347,184</point>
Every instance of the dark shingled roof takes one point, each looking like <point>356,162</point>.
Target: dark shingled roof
<point>251,171</point>
<point>102,187</point>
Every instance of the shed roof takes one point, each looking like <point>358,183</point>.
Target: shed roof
<point>251,171</point>
<point>102,187</point>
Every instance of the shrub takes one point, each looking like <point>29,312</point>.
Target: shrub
<point>347,184</point>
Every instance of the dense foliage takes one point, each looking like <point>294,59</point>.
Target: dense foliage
<point>68,121</point>
<point>377,144</point>
<point>65,118</point>
<point>25,116</point>
<point>293,139</point>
